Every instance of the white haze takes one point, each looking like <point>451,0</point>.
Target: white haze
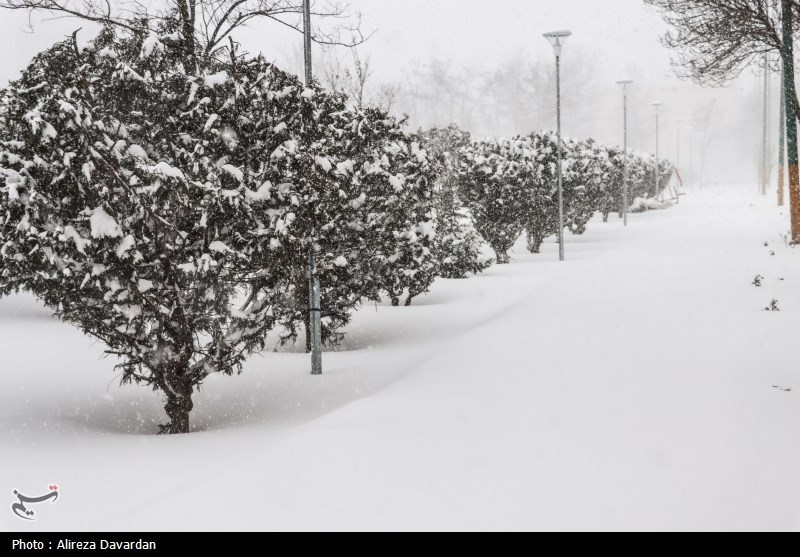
<point>721,130</point>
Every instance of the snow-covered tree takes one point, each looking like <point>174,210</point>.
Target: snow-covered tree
<point>641,180</point>
<point>512,185</point>
<point>495,177</point>
<point>612,199</point>
<point>370,214</point>
<point>589,168</point>
<point>130,205</point>
<point>541,214</point>
<point>170,213</point>
<point>458,246</point>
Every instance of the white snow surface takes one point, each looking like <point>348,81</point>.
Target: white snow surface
<point>631,387</point>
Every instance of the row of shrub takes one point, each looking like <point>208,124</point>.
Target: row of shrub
<point>509,186</point>
<point>167,205</point>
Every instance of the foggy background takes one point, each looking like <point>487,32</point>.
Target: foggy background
<point>486,67</point>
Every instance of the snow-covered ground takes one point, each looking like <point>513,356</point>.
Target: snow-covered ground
<point>639,385</point>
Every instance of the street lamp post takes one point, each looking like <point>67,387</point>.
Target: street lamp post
<point>624,84</point>
<point>314,297</point>
<point>657,104</point>
<point>557,39</point>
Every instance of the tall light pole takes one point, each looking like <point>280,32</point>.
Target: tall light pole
<point>314,297</point>
<point>657,105</point>
<point>765,165</point>
<point>624,84</point>
<point>557,39</point>
<point>782,147</point>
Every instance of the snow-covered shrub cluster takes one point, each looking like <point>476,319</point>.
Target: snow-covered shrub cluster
<point>458,246</point>
<point>167,204</point>
<point>496,181</point>
<point>510,186</point>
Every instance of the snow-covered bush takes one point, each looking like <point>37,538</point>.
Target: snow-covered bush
<point>495,178</point>
<point>539,152</point>
<point>641,181</point>
<point>512,185</point>
<point>585,189</point>
<point>125,210</point>
<point>170,213</point>
<point>458,246</point>
<point>358,183</point>
<point>666,169</point>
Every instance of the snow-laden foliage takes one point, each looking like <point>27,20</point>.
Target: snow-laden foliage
<point>359,184</point>
<point>589,167</point>
<point>496,179</point>
<point>168,209</point>
<point>541,214</point>
<point>642,189</point>
<point>121,212</point>
<point>511,185</point>
<point>458,246</point>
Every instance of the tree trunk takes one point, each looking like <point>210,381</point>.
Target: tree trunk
<point>790,92</point>
<point>534,243</point>
<point>178,406</point>
<point>502,257</point>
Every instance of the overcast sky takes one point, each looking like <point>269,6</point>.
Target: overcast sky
<point>621,37</point>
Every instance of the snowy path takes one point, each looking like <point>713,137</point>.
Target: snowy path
<point>631,387</point>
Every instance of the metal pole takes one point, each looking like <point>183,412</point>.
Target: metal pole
<point>625,173</point>
<point>764,128</point>
<point>560,178</point>
<point>314,297</point>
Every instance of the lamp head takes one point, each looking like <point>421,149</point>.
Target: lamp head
<point>557,39</point>
<point>624,83</point>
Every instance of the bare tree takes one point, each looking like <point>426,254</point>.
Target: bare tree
<point>203,24</point>
<point>386,96</point>
<point>354,81</point>
<point>716,39</point>
<point>361,75</point>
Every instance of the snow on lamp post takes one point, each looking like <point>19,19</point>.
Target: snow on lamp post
<point>657,105</point>
<point>314,297</point>
<point>624,84</point>
<point>557,39</point>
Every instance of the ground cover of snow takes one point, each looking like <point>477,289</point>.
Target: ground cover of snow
<point>639,385</point>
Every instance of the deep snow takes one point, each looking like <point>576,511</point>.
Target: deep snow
<point>632,387</point>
